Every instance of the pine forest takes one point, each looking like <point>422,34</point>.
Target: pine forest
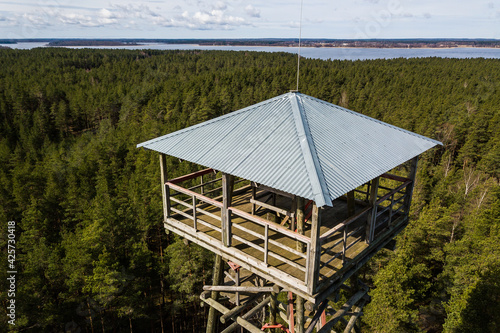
<point>92,254</point>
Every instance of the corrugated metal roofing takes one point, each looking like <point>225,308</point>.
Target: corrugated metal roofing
<point>297,144</point>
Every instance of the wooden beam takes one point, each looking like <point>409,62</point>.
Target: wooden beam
<point>271,207</point>
<point>393,191</point>
<point>249,314</point>
<point>351,205</point>
<point>237,310</point>
<point>299,213</point>
<point>291,325</point>
<point>222,309</point>
<point>273,226</point>
<point>357,314</point>
<point>394,177</point>
<point>343,224</point>
<point>343,310</point>
<point>274,308</point>
<point>299,301</point>
<point>197,195</point>
<point>242,289</point>
<point>299,310</point>
<point>254,192</point>
<point>190,176</point>
<point>315,249</point>
<point>227,197</point>
<point>217,279</point>
<point>165,190</point>
<point>372,215</point>
<point>317,315</point>
<point>273,190</point>
<point>250,263</point>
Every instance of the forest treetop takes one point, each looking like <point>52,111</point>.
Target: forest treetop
<point>91,245</point>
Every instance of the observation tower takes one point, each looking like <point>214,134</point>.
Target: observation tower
<point>295,194</point>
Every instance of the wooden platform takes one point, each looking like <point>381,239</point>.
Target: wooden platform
<point>259,233</point>
<point>331,217</point>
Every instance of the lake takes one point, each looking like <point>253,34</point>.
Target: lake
<point>312,52</point>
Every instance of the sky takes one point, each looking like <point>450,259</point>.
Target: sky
<point>170,19</point>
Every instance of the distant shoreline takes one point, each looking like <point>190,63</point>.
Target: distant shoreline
<point>306,43</point>
<point>70,43</point>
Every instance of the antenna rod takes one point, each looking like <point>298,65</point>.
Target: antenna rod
<point>300,37</point>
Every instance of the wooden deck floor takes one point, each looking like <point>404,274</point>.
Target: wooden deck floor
<point>331,216</point>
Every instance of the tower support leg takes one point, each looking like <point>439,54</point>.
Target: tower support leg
<point>274,308</point>
<point>299,305</point>
<point>217,280</point>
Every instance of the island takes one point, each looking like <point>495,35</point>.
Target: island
<point>89,42</point>
<point>282,42</point>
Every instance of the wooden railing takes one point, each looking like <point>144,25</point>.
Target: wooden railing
<point>271,241</point>
<point>283,251</point>
<point>194,207</point>
<point>272,244</point>
<point>358,227</point>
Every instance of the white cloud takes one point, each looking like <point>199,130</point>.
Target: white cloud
<point>259,18</point>
<point>135,11</point>
<point>252,11</point>
<point>78,19</point>
<point>106,13</point>
<point>36,20</point>
<point>106,17</point>
<point>221,5</point>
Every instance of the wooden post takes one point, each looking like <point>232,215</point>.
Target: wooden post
<point>351,206</point>
<point>368,187</point>
<point>322,321</point>
<point>299,301</point>
<point>412,175</point>
<point>315,251</point>
<point>300,221</point>
<point>291,319</point>
<point>237,283</point>
<point>195,218</point>
<point>299,305</point>
<point>274,308</point>
<point>254,192</point>
<point>372,216</point>
<point>266,244</point>
<point>165,190</point>
<point>217,280</point>
<point>227,196</point>
<point>390,211</point>
<point>202,189</point>
<point>275,217</point>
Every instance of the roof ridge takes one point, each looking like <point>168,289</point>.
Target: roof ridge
<point>317,179</point>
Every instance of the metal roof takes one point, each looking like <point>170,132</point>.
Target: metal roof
<point>298,144</point>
